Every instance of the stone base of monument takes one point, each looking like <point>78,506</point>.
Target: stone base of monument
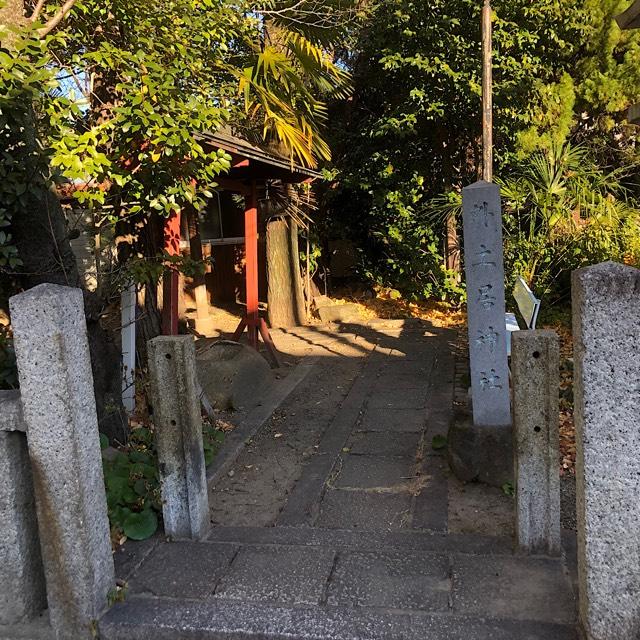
<point>483,454</point>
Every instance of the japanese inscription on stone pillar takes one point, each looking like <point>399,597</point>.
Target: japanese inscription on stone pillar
<point>485,304</point>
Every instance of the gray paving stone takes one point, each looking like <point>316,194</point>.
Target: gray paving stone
<point>132,554</point>
<point>282,575</point>
<point>182,570</point>
<point>512,587</point>
<point>391,580</point>
<point>378,442</point>
<point>431,508</point>
<point>368,472</point>
<point>363,510</point>
<point>399,368</point>
<point>392,399</point>
<point>165,619</point>
<point>400,384</point>
<point>393,420</point>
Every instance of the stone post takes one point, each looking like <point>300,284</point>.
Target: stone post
<point>178,433</point>
<point>606,329</point>
<point>56,386</point>
<point>535,360</point>
<point>23,594</point>
<point>485,304</point>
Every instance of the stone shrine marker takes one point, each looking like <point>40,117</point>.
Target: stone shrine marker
<point>484,270</point>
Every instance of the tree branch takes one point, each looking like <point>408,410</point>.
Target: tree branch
<point>37,10</point>
<point>56,19</point>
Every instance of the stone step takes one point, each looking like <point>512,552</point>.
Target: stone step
<point>301,582</point>
<point>364,540</point>
<point>170,619</point>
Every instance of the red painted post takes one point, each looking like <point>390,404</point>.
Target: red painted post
<point>170,279</point>
<point>251,262</point>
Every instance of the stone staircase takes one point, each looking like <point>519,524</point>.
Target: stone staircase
<point>309,583</point>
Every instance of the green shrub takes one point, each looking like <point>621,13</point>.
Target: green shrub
<point>132,481</point>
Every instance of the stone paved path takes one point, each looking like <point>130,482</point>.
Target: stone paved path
<point>339,520</point>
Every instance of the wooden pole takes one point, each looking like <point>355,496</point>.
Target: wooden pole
<point>487,94</point>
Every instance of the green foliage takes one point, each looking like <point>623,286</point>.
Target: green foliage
<point>438,443</point>
<point>562,212</point>
<point>133,489</point>
<point>409,141</point>
<point>212,440</point>
<point>508,489</point>
<point>132,481</point>
<point>125,88</point>
<point>26,83</point>
<point>8,369</point>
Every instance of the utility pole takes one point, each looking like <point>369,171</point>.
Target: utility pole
<point>487,93</point>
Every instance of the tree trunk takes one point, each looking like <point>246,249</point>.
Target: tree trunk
<point>285,297</point>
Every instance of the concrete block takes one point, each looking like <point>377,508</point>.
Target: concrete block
<point>233,375</point>
<point>535,362</point>
<point>480,453</point>
<point>606,329</point>
<point>484,272</point>
<point>23,595</point>
<point>56,386</point>
<point>178,434</point>
<point>338,313</point>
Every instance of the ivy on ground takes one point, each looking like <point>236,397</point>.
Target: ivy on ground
<point>133,484</point>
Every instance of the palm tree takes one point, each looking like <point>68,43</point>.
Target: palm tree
<point>558,201</point>
<point>293,72</point>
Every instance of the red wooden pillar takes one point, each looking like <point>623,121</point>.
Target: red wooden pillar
<point>251,261</point>
<point>170,279</point>
<point>256,326</point>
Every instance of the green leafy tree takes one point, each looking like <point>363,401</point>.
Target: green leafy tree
<point>412,132</point>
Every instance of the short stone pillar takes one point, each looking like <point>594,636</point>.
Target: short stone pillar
<point>178,434</point>
<point>56,386</point>
<point>23,594</point>
<point>606,332</point>
<point>535,360</point>
<point>484,271</point>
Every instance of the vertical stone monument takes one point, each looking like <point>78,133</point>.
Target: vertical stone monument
<point>484,272</point>
<point>606,332</point>
<point>480,447</point>
<point>56,388</point>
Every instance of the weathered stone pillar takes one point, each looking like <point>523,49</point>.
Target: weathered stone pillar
<point>178,433</point>
<point>535,360</point>
<point>22,594</point>
<point>56,386</point>
<point>606,328</point>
